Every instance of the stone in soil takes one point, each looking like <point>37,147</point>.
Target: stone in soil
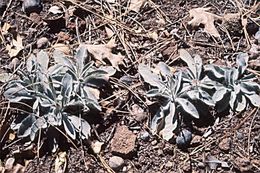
<point>184,138</point>
<point>225,144</point>
<point>30,6</point>
<point>123,142</point>
<point>243,165</point>
<point>42,43</point>
<point>116,162</point>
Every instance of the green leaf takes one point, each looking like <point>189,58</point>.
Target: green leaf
<point>81,125</point>
<point>66,90</point>
<point>149,77</point>
<point>80,57</point>
<point>241,103</point>
<point>40,123</point>
<point>188,107</point>
<point>219,94</point>
<point>242,62</point>
<point>186,57</point>
<point>206,98</point>
<point>164,69</point>
<point>198,64</point>
<point>171,123</point>
<point>254,99</point>
<point>232,101</point>
<point>42,59</point>
<point>25,128</point>
<point>69,128</point>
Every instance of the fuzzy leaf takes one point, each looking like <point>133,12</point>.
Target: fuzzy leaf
<point>25,128</point>
<point>198,64</point>
<point>254,99</point>
<point>188,107</point>
<point>170,123</point>
<point>241,103</point>
<point>81,125</point>
<point>69,128</point>
<point>42,59</point>
<point>219,94</point>
<point>40,123</point>
<point>206,98</point>
<point>66,90</point>
<point>186,57</point>
<point>80,57</point>
<point>149,77</point>
<point>164,69</point>
<point>242,62</point>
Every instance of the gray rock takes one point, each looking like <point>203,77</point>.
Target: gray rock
<point>184,138</point>
<point>116,162</point>
<point>201,165</point>
<point>30,6</point>
<point>42,43</point>
<point>145,136</point>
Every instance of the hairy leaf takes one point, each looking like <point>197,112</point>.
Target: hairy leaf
<point>69,128</point>
<point>188,107</point>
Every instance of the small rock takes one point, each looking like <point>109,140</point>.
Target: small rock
<point>116,162</point>
<point>240,135</point>
<point>184,138</point>
<point>243,164</point>
<point>9,163</point>
<point>160,152</point>
<point>201,165</point>
<point>42,43</point>
<point>225,144</point>
<point>123,142</point>
<point>154,142</point>
<point>30,6</point>
<point>169,164</point>
<point>196,140</point>
<point>145,136</point>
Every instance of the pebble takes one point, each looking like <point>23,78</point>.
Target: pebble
<point>184,138</point>
<point>145,136</point>
<point>169,164</point>
<point>160,152</point>
<point>154,142</point>
<point>201,165</point>
<point>116,162</point>
<point>42,43</point>
<point>225,144</point>
<point>30,6</point>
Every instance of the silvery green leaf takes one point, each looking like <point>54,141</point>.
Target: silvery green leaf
<point>81,55</point>
<point>18,93</point>
<point>198,64</point>
<point>178,82</point>
<point>30,62</point>
<point>232,101</point>
<point>69,128</point>
<point>81,125</point>
<point>219,94</point>
<point>56,69</point>
<point>40,123</point>
<point>25,128</point>
<point>42,59</point>
<point>92,104</point>
<point>170,123</point>
<point>248,77</point>
<point>188,107</point>
<point>254,99</point>
<point>186,57</point>
<point>52,118</point>
<point>250,87</point>
<point>62,60</point>
<point>206,98</point>
<point>66,90</point>
<point>108,69</point>
<point>149,77</point>
<point>242,62</point>
<point>157,121</point>
<point>241,103</point>
<point>164,69</point>
<point>95,78</point>
<point>217,71</point>
<point>193,94</point>
<point>237,88</point>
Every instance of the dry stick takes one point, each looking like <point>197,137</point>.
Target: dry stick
<point>8,6</point>
<point>102,160</point>
<point>249,133</point>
